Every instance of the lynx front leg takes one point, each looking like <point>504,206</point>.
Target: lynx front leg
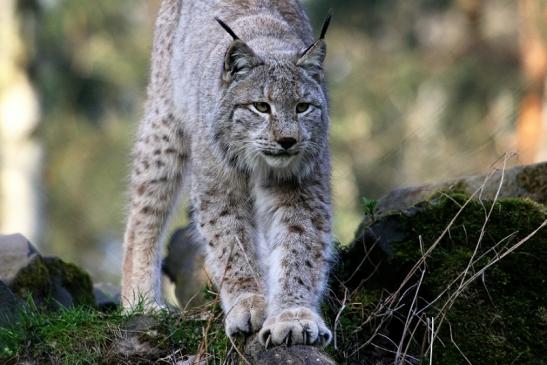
<point>300,242</point>
<point>160,155</point>
<point>223,213</point>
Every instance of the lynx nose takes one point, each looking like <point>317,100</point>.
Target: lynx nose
<point>286,142</point>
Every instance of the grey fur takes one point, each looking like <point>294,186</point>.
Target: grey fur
<point>259,182</point>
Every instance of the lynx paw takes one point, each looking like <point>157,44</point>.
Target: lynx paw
<point>246,316</point>
<point>295,326</point>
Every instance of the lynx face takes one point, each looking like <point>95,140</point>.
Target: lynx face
<point>273,116</point>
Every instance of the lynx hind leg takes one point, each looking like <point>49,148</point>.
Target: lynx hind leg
<point>159,160</point>
<point>159,156</point>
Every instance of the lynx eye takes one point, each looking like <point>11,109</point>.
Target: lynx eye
<point>302,107</point>
<point>262,107</point>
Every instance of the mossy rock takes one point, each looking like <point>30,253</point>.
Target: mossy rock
<point>52,282</point>
<point>71,279</point>
<point>33,280</point>
<point>9,306</point>
<point>498,318</point>
<point>533,179</point>
<point>525,181</point>
<point>83,335</point>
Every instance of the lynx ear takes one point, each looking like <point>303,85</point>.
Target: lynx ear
<point>312,58</point>
<point>239,58</point>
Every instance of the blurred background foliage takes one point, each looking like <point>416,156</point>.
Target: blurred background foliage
<point>421,90</point>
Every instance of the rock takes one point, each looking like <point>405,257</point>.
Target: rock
<point>136,338</point>
<point>9,306</point>
<point>495,318</point>
<point>294,355</point>
<point>50,281</point>
<point>16,252</point>
<point>33,280</point>
<point>107,296</point>
<point>183,265</point>
<point>70,284</point>
<point>528,181</point>
<point>375,307</point>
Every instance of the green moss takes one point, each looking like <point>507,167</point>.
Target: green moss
<point>42,276</point>
<point>459,187</point>
<point>76,281</point>
<point>490,320</point>
<point>534,180</point>
<point>499,318</point>
<point>32,280</point>
<point>82,335</point>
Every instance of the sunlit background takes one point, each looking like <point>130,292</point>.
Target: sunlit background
<point>421,91</point>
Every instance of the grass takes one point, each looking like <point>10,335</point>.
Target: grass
<point>464,288</point>
<point>84,335</point>
<point>460,286</point>
<point>70,336</point>
<point>463,284</point>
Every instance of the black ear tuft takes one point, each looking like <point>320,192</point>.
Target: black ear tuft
<point>312,58</point>
<point>227,28</point>
<point>326,24</point>
<point>239,58</point>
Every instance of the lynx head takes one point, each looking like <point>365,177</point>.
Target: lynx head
<point>273,117</point>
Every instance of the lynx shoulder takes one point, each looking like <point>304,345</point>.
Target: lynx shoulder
<point>237,109</point>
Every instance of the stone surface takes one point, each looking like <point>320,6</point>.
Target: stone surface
<point>16,252</point>
<point>9,306</point>
<point>527,181</point>
<point>493,319</point>
<point>292,355</point>
<point>107,296</point>
<point>136,337</point>
<point>183,265</point>
<point>70,284</point>
<point>32,280</point>
<point>50,281</point>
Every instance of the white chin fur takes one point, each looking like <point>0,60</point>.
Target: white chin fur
<point>279,162</point>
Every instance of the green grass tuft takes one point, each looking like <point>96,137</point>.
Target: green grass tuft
<point>83,335</point>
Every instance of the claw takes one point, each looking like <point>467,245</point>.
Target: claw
<point>295,326</point>
<point>266,337</point>
<point>288,339</point>
<point>249,328</point>
<point>324,339</point>
<point>307,336</point>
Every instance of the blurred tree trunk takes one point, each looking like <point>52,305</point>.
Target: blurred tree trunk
<point>20,153</point>
<point>533,54</point>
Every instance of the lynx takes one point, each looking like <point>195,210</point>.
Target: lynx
<point>237,108</point>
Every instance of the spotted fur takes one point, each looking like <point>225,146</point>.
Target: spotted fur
<point>258,177</point>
